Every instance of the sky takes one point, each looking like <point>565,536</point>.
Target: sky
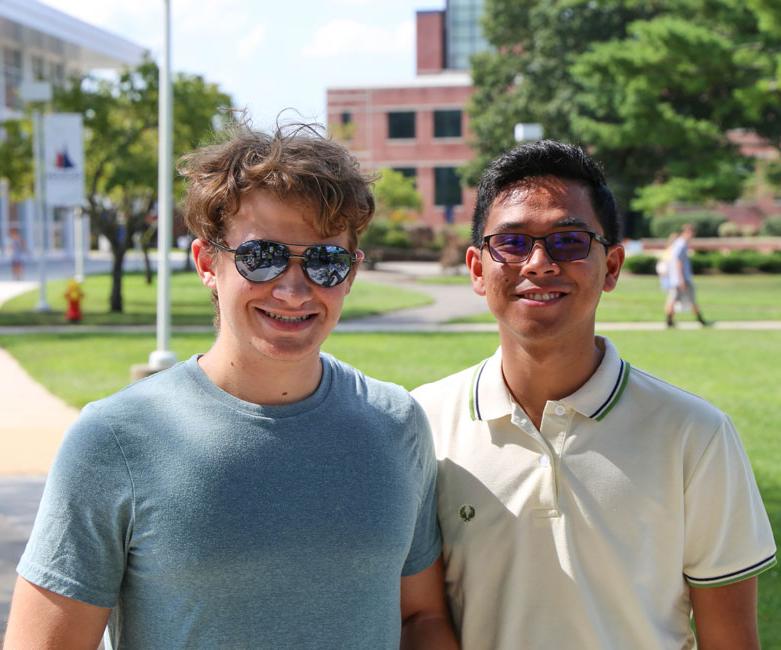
<point>271,55</point>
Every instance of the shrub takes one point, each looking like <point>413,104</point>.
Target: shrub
<point>771,226</point>
<point>770,263</point>
<point>729,229</point>
<point>731,263</point>
<point>701,262</point>
<point>706,224</point>
<point>641,264</point>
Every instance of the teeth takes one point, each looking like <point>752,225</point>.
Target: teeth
<point>286,319</point>
<point>542,297</point>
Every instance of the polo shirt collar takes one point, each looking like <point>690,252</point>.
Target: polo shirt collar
<point>491,399</point>
<point>596,398</point>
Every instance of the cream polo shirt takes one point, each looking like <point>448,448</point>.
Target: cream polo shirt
<point>588,532</point>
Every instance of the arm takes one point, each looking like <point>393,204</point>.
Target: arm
<point>425,619</point>
<point>40,618</point>
<point>726,617</point>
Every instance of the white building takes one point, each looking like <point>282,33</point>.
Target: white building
<point>40,43</point>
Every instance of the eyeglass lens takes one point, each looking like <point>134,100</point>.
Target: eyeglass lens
<point>259,260</point>
<point>565,246</point>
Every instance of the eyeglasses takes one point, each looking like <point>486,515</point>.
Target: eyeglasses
<point>562,246</point>
<point>260,260</point>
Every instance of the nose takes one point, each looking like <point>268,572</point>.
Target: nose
<point>292,287</point>
<point>539,262</point>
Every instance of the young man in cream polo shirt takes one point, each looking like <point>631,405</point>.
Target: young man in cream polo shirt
<point>583,503</point>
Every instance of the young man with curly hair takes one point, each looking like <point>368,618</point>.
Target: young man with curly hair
<point>263,494</point>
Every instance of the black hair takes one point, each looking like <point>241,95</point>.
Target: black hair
<point>545,158</point>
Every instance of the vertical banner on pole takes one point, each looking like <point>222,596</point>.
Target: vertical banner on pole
<point>64,159</point>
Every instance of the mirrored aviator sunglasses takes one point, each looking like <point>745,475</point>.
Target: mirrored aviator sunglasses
<point>261,260</point>
<point>562,246</point>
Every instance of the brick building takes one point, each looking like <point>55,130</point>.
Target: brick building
<point>420,128</point>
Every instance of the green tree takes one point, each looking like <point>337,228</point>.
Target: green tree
<point>393,192</point>
<point>16,150</point>
<point>120,119</point>
<point>526,77</point>
<point>651,88</point>
<point>120,131</point>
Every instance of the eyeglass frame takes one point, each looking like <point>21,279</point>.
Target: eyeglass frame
<point>355,257</point>
<point>592,236</point>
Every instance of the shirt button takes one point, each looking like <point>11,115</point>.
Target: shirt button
<point>544,461</point>
<point>559,410</point>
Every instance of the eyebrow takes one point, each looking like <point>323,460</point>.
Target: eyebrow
<point>564,222</point>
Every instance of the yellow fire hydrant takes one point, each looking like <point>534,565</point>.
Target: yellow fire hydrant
<point>74,296</point>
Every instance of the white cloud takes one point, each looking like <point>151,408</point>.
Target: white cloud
<point>248,44</point>
<point>351,37</point>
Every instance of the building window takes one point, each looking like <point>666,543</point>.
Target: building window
<point>12,76</point>
<point>401,124</point>
<point>406,172</point>
<point>39,69</point>
<point>347,118</point>
<point>447,186</point>
<point>447,124</point>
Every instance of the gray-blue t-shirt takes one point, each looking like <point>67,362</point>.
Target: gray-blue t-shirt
<point>206,521</point>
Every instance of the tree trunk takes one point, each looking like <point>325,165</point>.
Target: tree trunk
<point>116,279</point>
<point>147,263</point>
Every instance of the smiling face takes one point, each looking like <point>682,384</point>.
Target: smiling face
<point>288,317</point>
<point>540,300</point>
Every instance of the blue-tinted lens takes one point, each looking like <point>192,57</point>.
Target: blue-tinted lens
<point>568,246</point>
<point>510,247</point>
<point>260,261</point>
<point>327,265</point>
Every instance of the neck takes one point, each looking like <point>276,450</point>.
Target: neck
<point>540,372</point>
<point>262,381</point>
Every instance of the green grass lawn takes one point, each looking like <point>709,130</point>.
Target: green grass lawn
<point>721,297</point>
<point>736,370</point>
<point>190,302</point>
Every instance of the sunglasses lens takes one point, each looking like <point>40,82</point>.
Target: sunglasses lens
<point>327,266</point>
<point>259,261</point>
<point>568,246</point>
<point>510,248</point>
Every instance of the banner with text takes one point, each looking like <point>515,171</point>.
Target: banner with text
<point>63,140</point>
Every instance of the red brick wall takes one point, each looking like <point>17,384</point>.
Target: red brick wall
<point>369,141</point>
<point>430,49</point>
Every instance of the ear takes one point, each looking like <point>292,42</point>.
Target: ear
<point>614,260</point>
<point>474,262</point>
<point>360,256</point>
<point>204,257</point>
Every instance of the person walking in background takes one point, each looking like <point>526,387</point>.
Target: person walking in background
<point>663,264</point>
<point>263,494</point>
<point>18,250</point>
<point>680,278</point>
<point>583,503</point>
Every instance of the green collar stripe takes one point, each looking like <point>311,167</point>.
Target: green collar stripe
<point>473,399</point>
<point>615,395</point>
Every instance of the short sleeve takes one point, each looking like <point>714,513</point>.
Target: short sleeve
<point>78,544</point>
<point>427,542</point>
<point>728,535</point>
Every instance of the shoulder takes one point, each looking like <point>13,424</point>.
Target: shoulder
<point>355,389</point>
<point>664,409</point>
<point>448,392</point>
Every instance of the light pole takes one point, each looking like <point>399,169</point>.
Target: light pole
<point>39,91</point>
<point>528,132</point>
<point>162,357</point>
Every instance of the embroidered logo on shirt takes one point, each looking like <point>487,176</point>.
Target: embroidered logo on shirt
<point>467,512</point>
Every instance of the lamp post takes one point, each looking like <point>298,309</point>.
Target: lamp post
<point>39,92</point>
<point>528,132</point>
<point>162,357</point>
